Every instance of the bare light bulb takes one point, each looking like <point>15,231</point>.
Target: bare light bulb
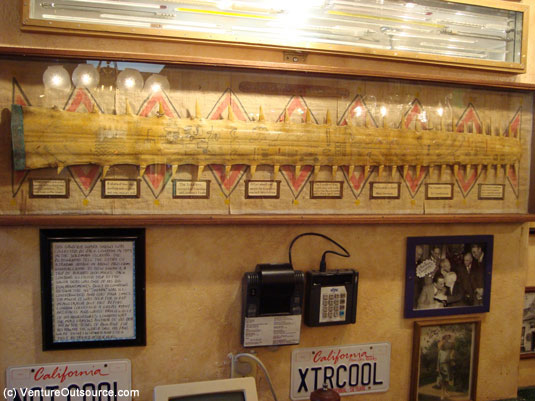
<point>157,83</point>
<point>85,76</point>
<point>383,111</point>
<point>129,80</point>
<point>56,77</point>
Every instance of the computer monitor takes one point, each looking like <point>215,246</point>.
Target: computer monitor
<point>237,389</point>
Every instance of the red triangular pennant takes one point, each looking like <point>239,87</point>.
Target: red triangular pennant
<point>356,112</point>
<point>296,184</point>
<point>156,176</point>
<point>151,105</point>
<point>17,178</point>
<point>85,177</point>
<point>18,95</point>
<point>513,180</point>
<point>466,182</point>
<point>237,171</point>
<point>297,105</point>
<point>470,119</point>
<point>513,129</point>
<point>81,100</point>
<point>415,113</point>
<point>228,98</point>
<point>358,180</point>
<point>412,181</point>
<point>228,184</point>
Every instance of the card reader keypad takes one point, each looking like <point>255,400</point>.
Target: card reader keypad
<point>333,304</point>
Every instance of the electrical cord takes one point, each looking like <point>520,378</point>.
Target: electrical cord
<point>323,263</point>
<point>259,363</point>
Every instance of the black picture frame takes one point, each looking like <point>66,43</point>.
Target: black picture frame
<point>81,271</point>
<point>431,290</point>
<point>527,343</point>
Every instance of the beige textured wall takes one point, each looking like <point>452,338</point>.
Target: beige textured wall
<point>193,302</point>
<point>11,36</point>
<point>526,375</point>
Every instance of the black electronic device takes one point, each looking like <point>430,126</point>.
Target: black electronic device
<point>272,305</point>
<point>331,297</point>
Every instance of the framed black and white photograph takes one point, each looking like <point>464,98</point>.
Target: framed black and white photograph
<point>527,341</point>
<point>448,275</point>
<point>445,358</point>
<point>93,288</point>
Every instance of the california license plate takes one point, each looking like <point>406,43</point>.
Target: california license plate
<point>348,370</point>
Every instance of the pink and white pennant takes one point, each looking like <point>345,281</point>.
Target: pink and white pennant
<point>412,178</point>
<point>85,176</point>
<point>151,105</point>
<point>466,180</point>
<point>357,111</point>
<point>357,180</point>
<point>296,109</point>
<point>514,131</point>
<point>296,183</point>
<point>156,176</point>
<point>228,183</point>
<point>81,100</point>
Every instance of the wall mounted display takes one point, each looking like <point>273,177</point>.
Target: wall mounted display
<point>370,149</point>
<point>448,275</point>
<point>483,34</point>
<point>527,342</point>
<point>93,288</point>
<point>445,358</point>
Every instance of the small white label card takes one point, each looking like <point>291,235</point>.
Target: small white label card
<point>438,191</point>
<point>49,188</point>
<point>385,190</point>
<point>187,189</point>
<point>326,189</point>
<point>262,189</point>
<point>491,192</point>
<point>120,188</point>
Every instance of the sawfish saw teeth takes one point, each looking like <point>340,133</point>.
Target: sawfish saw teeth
<point>108,139</point>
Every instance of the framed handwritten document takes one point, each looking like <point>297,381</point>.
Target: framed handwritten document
<point>93,288</point>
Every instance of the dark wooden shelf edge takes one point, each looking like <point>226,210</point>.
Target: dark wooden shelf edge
<point>167,220</point>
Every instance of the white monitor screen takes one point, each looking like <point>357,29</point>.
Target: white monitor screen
<point>237,389</point>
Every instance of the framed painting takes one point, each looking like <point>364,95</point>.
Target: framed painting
<point>448,275</point>
<point>445,360</point>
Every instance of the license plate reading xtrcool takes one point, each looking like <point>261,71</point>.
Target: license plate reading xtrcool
<point>349,369</point>
<point>70,381</point>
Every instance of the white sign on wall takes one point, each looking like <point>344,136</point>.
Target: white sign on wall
<point>93,380</point>
<point>349,369</point>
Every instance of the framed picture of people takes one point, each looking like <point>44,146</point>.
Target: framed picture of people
<point>527,341</point>
<point>448,275</point>
<point>445,359</point>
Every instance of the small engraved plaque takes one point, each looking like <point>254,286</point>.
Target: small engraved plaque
<point>120,188</point>
<point>186,189</point>
<point>49,188</point>
<point>491,192</point>
<point>262,189</point>
<point>326,189</point>
<point>438,191</point>
<point>385,190</point>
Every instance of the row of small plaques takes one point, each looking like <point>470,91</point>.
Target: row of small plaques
<point>254,189</point>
